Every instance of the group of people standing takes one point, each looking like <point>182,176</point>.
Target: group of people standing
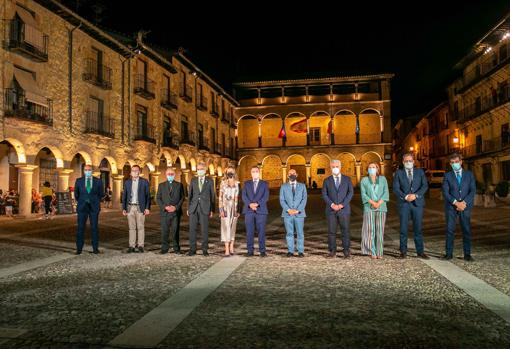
<point>409,186</point>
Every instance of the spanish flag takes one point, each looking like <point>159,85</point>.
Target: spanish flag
<point>282,133</point>
<point>299,126</point>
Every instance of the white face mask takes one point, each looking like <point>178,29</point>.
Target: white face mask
<point>201,173</point>
<point>408,165</point>
<point>255,176</point>
<point>335,171</point>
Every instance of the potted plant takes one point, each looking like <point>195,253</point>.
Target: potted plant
<point>502,190</point>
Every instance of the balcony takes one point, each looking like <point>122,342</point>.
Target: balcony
<point>97,74</point>
<point>144,87</point>
<point>485,104</point>
<point>487,146</point>
<point>202,103</point>
<point>186,93</point>
<point>168,99</point>
<point>170,142</point>
<point>188,138</point>
<point>28,41</point>
<point>145,132</point>
<point>100,124</point>
<point>203,144</point>
<point>17,105</point>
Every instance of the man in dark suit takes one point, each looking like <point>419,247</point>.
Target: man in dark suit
<point>255,195</point>
<point>202,200</point>
<point>170,197</point>
<point>337,192</point>
<point>136,204</point>
<point>88,192</point>
<point>410,186</point>
<point>459,188</point>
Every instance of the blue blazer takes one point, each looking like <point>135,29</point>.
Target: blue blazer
<point>465,192</point>
<point>260,197</point>
<point>82,197</point>
<point>297,201</point>
<point>418,186</point>
<point>144,195</point>
<point>341,196</point>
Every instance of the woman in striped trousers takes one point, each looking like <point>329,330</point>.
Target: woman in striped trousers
<point>374,196</point>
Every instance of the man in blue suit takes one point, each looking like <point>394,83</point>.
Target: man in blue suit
<point>88,192</point>
<point>136,204</point>
<point>337,192</point>
<point>410,186</point>
<point>293,201</point>
<point>459,188</point>
<point>255,195</point>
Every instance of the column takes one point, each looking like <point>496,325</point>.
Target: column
<point>358,171</point>
<point>357,129</point>
<point>25,189</point>
<point>308,174</point>
<point>284,173</point>
<point>63,179</point>
<point>214,179</point>
<point>186,181</point>
<point>117,191</point>
<point>308,130</point>
<point>155,182</point>
<point>381,164</point>
<point>381,119</point>
<point>332,134</point>
<point>261,170</point>
<point>260,134</point>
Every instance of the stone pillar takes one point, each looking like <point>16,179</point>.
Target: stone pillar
<point>154,180</point>
<point>260,134</point>
<point>308,175</point>
<point>63,179</point>
<point>25,189</point>
<point>332,134</point>
<point>261,170</point>
<point>117,191</point>
<point>381,164</point>
<point>214,179</point>
<point>308,130</point>
<point>185,174</point>
<point>284,173</point>
<point>358,171</point>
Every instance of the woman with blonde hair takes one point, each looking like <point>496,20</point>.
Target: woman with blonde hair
<point>374,196</point>
<point>229,208</point>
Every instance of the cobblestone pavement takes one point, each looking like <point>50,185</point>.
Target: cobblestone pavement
<point>274,302</point>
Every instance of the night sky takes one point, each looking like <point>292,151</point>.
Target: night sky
<point>420,45</point>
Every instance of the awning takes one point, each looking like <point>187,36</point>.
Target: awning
<point>32,92</point>
<point>32,34</point>
<point>26,16</point>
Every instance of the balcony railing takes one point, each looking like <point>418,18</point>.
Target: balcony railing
<point>186,93</point>
<point>100,124</point>
<point>487,146</point>
<point>145,132</point>
<point>170,142</point>
<point>17,106</point>
<point>486,103</point>
<point>28,41</point>
<point>144,86</point>
<point>168,99</point>
<point>188,138</point>
<point>490,65</point>
<point>98,74</point>
<point>202,103</point>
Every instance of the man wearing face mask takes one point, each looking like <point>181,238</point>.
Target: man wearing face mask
<point>255,195</point>
<point>337,192</point>
<point>202,200</point>
<point>410,186</point>
<point>136,204</point>
<point>293,201</point>
<point>459,188</point>
<point>88,192</point>
<point>170,197</point>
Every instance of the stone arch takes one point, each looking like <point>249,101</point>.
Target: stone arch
<point>296,129</point>
<point>59,158</point>
<point>245,165</point>
<point>193,164</point>
<point>344,126</point>
<point>271,125</point>
<point>370,126</point>
<point>19,149</point>
<point>348,161</point>
<point>298,163</point>
<point>368,157</point>
<point>319,125</point>
<point>320,169</point>
<point>248,131</point>
<point>272,170</point>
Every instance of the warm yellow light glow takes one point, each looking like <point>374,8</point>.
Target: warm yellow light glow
<point>455,140</point>
<point>411,148</point>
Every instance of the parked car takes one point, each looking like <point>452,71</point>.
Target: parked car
<point>435,178</point>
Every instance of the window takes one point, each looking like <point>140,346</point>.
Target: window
<point>223,143</point>
<point>167,130</point>
<point>478,144</point>
<point>98,57</point>
<point>200,134</point>
<point>142,117</point>
<point>505,170</point>
<point>503,52</point>
<point>166,85</point>
<point>213,137</point>
<point>184,127</point>
<point>505,135</point>
<point>315,135</point>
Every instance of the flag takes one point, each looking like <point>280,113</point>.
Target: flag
<point>330,127</point>
<point>299,126</point>
<point>282,133</point>
<point>357,126</point>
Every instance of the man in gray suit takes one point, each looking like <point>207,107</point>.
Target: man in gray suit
<point>202,200</point>
<point>170,198</point>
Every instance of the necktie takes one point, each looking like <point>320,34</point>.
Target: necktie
<point>200,184</point>
<point>89,185</point>
<point>410,175</point>
<point>255,186</point>
<point>459,177</point>
<point>293,190</point>
<point>337,182</point>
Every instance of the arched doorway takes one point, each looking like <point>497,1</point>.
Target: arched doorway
<point>106,173</point>
<point>348,166</point>
<point>271,126</point>
<point>77,164</point>
<point>245,165</point>
<point>46,171</point>
<point>297,162</point>
<point>344,127</point>
<point>10,155</point>
<point>248,132</point>
<point>272,171</point>
<point>320,168</point>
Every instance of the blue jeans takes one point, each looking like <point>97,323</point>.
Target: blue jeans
<point>295,224</point>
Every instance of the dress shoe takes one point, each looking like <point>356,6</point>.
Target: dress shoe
<point>301,255</point>
<point>347,255</point>
<point>140,249</point>
<point>402,255</point>
<point>263,254</point>
<point>331,255</point>
<point>131,250</point>
<point>205,253</point>
<point>468,258</point>
<point>289,254</point>
<point>96,251</point>
<point>163,252</point>
<point>447,257</point>
<point>190,253</point>
<point>176,251</point>
<point>423,256</point>
<point>250,254</point>
<point>77,252</point>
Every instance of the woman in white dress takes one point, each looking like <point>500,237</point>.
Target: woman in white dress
<point>230,209</point>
